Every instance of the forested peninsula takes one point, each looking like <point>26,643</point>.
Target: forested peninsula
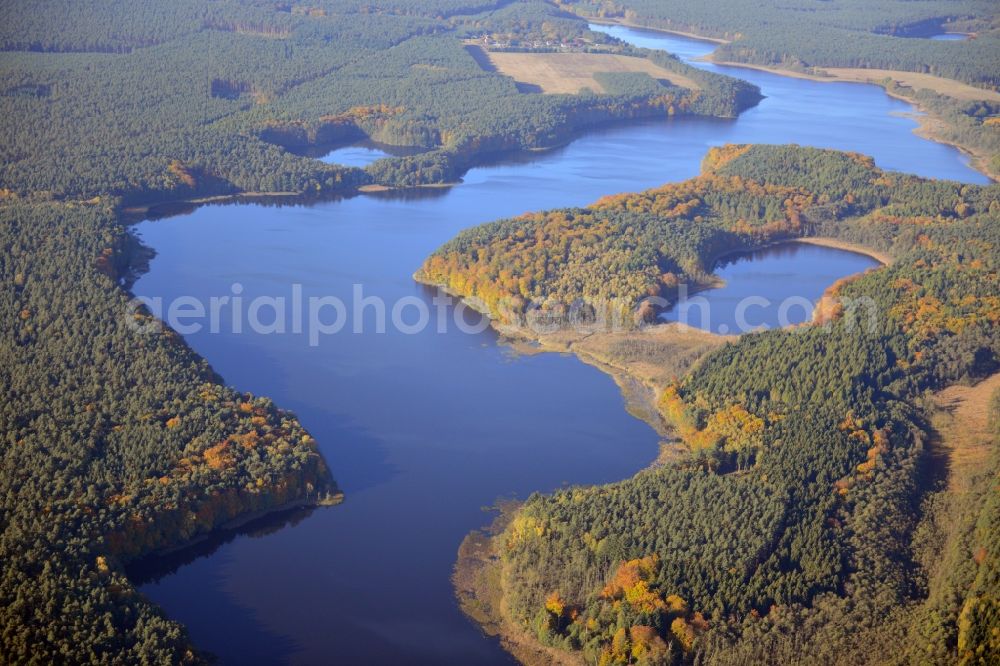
<point>810,515</point>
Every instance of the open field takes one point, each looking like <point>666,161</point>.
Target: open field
<point>572,72</point>
<point>655,355</point>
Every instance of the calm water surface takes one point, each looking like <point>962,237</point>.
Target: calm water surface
<point>355,156</point>
<point>358,155</point>
<point>423,430</point>
<point>768,288</point>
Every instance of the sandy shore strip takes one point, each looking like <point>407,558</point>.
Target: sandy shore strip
<point>881,257</point>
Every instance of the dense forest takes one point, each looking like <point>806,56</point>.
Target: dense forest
<point>788,531</point>
<point>97,107</point>
<point>885,34</point>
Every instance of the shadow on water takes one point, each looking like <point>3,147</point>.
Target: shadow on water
<point>153,568</point>
<point>242,625</point>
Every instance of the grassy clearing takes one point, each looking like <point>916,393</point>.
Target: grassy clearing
<point>964,429</point>
<point>571,73</point>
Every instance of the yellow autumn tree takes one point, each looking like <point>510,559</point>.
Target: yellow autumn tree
<point>555,604</point>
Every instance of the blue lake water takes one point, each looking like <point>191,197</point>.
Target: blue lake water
<point>769,288</point>
<point>356,156</point>
<point>423,430</point>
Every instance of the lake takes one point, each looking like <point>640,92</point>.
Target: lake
<point>356,156</point>
<point>772,287</point>
<point>423,429</point>
<point>362,153</point>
